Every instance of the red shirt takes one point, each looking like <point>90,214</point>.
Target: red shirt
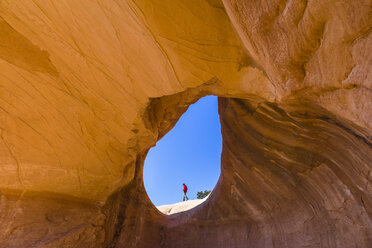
<point>184,188</point>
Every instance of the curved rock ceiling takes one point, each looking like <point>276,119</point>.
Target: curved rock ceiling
<point>87,87</point>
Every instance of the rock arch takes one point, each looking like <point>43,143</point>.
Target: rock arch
<point>87,87</point>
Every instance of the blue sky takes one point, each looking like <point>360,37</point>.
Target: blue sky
<point>190,153</point>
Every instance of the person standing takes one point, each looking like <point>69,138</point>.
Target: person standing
<point>184,192</point>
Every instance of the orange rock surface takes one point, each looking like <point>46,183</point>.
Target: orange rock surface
<point>88,87</point>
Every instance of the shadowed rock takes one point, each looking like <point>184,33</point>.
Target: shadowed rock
<point>88,87</point>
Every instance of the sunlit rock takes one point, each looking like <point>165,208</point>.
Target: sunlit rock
<point>88,87</point>
<point>180,206</point>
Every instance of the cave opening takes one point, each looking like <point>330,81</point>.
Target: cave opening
<point>190,153</point>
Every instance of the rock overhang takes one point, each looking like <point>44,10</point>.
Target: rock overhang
<point>88,87</point>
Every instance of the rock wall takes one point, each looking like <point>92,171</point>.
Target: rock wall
<point>88,87</point>
<point>49,220</point>
<point>292,176</point>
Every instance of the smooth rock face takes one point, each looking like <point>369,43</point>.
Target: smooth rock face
<point>87,87</point>
<point>49,220</point>
<point>180,206</point>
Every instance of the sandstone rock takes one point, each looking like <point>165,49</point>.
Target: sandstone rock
<point>88,87</point>
<point>180,206</point>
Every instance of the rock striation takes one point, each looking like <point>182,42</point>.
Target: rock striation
<point>88,87</point>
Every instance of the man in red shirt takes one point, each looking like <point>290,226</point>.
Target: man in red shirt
<point>184,192</point>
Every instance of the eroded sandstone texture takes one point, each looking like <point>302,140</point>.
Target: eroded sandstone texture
<point>88,87</point>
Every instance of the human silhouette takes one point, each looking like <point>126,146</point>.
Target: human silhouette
<point>184,193</point>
